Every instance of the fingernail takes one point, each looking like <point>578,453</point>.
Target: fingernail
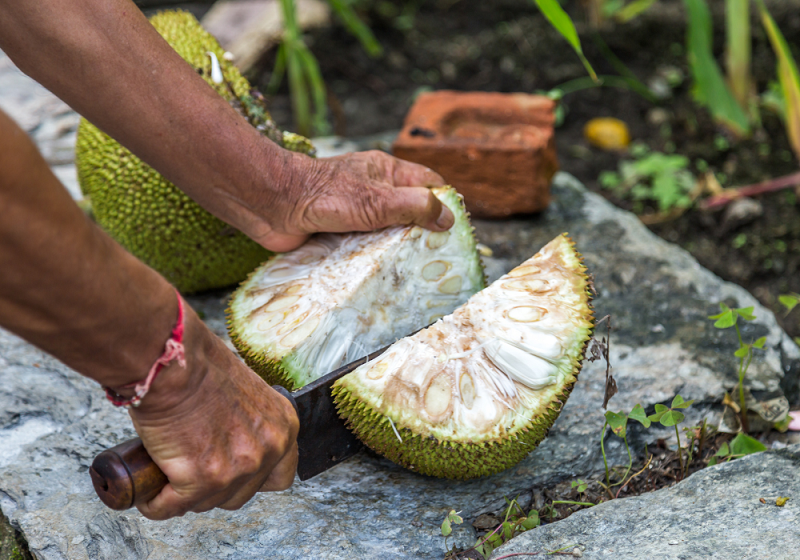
<point>445,219</point>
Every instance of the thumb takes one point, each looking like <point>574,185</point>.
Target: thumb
<point>414,205</point>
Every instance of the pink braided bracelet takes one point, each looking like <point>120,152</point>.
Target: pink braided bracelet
<point>173,350</point>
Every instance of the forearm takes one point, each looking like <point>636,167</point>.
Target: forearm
<point>65,286</point>
<point>106,61</point>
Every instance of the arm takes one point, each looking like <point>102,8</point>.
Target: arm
<point>106,61</point>
<point>217,431</point>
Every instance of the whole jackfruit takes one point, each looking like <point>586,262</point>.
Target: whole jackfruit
<point>150,216</point>
<point>342,296</point>
<point>477,391</point>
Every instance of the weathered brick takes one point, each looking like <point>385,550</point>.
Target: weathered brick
<point>497,149</point>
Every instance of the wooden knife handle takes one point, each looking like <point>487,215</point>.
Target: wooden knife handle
<point>126,476</point>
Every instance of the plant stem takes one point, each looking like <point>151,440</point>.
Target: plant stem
<point>605,460</point>
<point>680,453</point>
<point>574,503</point>
<point>742,371</point>
<point>728,195</point>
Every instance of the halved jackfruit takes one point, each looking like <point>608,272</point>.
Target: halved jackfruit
<point>477,391</point>
<point>341,296</point>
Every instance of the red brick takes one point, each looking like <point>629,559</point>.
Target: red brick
<point>497,149</point>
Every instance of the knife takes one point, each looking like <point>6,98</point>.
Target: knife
<point>125,475</point>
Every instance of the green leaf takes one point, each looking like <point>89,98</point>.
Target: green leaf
<point>738,49</point>
<point>454,517</point>
<point>609,179</point>
<point>723,450</point>
<point>508,530</point>
<point>660,411</point>
<point>709,85</point>
<point>530,523</point>
<point>789,301</point>
<point>618,422</point>
<point>797,340</point>
<point>633,9</point>
<point>357,27</point>
<point>728,319</point>
<point>712,461</point>
<point>446,528</point>
<point>672,418</point>
<point>639,415</point>
<point>743,444</point>
<point>678,402</point>
<point>742,351</point>
<point>760,342</point>
<point>559,19</point>
<point>788,76</point>
<point>746,313</point>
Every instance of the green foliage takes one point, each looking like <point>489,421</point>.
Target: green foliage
<point>790,301</point>
<point>710,88</point>
<point>788,76</point>
<point>559,19</point>
<point>654,176</point>
<point>618,422</point>
<point>579,485</point>
<point>451,518</point>
<point>306,85</point>
<point>738,55</point>
<point>739,446</point>
<point>672,416</point>
<point>729,318</point>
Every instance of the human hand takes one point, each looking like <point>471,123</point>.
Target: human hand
<point>216,430</point>
<point>362,191</point>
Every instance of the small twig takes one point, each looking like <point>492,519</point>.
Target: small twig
<point>772,185</point>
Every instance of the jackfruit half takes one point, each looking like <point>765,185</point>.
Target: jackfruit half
<point>150,216</point>
<point>477,391</point>
<point>341,296</point>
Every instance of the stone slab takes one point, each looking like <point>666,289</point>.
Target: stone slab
<point>715,513</point>
<point>53,422</point>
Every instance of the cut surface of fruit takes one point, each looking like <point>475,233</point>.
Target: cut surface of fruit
<point>474,393</point>
<point>342,296</point>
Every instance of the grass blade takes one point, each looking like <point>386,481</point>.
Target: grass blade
<point>357,27</point>
<point>710,88</point>
<point>738,55</point>
<point>559,19</point>
<point>788,76</point>
<point>278,71</point>
<point>318,91</point>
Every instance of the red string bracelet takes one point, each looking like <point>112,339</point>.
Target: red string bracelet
<point>173,350</point>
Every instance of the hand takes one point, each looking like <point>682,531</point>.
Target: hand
<point>361,191</point>
<point>217,431</point>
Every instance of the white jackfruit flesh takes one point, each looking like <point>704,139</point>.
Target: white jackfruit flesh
<point>474,393</point>
<point>341,296</point>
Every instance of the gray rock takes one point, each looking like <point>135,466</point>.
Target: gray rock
<point>715,513</point>
<point>741,212</point>
<point>53,421</point>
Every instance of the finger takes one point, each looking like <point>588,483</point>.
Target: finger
<point>167,504</point>
<point>410,205</point>
<point>282,476</point>
<point>280,242</point>
<point>407,174</point>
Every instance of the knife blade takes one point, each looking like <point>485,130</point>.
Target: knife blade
<point>125,475</point>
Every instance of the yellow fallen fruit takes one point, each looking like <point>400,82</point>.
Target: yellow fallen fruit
<point>607,133</point>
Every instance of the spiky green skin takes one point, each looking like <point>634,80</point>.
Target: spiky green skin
<point>270,370</point>
<point>428,455</point>
<point>150,216</point>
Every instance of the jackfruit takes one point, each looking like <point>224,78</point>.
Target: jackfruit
<point>341,296</point>
<point>474,393</point>
<point>150,216</point>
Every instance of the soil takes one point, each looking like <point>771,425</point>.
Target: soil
<point>508,46</point>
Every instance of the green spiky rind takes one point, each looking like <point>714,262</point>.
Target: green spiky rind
<point>430,456</point>
<point>280,370</point>
<point>150,216</point>
<point>297,143</point>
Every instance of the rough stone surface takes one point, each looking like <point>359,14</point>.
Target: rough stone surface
<point>715,513</point>
<point>497,149</point>
<point>367,507</point>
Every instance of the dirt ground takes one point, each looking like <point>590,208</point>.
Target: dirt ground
<point>508,46</point>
